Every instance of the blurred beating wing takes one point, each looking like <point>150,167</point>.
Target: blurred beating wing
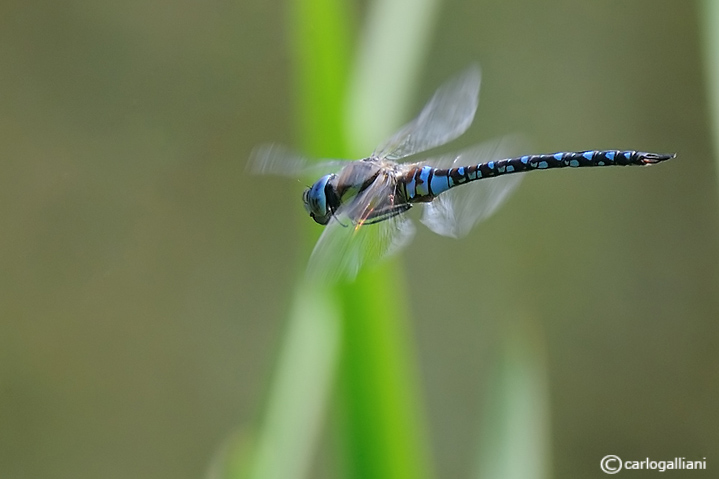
<point>447,115</point>
<point>273,159</point>
<point>455,212</point>
<point>346,245</point>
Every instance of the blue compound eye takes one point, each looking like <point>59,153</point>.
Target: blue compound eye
<point>306,200</point>
<point>316,200</point>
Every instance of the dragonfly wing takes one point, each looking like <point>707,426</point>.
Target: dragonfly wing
<point>273,159</point>
<point>507,146</point>
<point>446,116</point>
<point>352,241</point>
<point>455,212</point>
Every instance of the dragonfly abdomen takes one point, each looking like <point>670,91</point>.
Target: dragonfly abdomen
<point>574,160</point>
<point>424,183</point>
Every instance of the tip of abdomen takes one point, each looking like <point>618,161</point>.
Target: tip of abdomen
<point>653,158</point>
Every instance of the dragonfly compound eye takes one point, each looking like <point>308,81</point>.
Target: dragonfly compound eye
<point>321,199</point>
<point>306,200</point>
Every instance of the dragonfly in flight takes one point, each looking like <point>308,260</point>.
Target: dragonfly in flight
<point>363,204</point>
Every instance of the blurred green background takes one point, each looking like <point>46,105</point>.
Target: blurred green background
<point>146,276</point>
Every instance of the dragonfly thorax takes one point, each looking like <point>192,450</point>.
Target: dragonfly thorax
<point>321,199</point>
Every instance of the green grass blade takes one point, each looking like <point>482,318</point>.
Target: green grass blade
<point>709,10</point>
<point>321,53</point>
<point>385,429</point>
<point>302,383</point>
<point>300,389</point>
<point>384,426</point>
<point>392,49</point>
<point>515,438</point>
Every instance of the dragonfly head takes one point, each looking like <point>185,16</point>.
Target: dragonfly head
<point>321,199</point>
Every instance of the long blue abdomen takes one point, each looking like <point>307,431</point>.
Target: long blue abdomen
<point>424,183</point>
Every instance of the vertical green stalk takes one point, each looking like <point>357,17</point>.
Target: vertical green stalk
<point>709,12</point>
<point>308,357</point>
<point>392,49</point>
<point>300,389</point>
<point>384,428</point>
<point>321,51</point>
<point>515,440</point>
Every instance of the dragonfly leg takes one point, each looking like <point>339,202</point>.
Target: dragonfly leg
<point>384,213</point>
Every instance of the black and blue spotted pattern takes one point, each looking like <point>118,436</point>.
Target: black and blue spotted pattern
<point>423,183</point>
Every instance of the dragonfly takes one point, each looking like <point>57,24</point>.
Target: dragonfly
<point>364,204</point>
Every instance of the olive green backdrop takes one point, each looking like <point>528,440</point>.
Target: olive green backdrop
<point>144,276</point>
